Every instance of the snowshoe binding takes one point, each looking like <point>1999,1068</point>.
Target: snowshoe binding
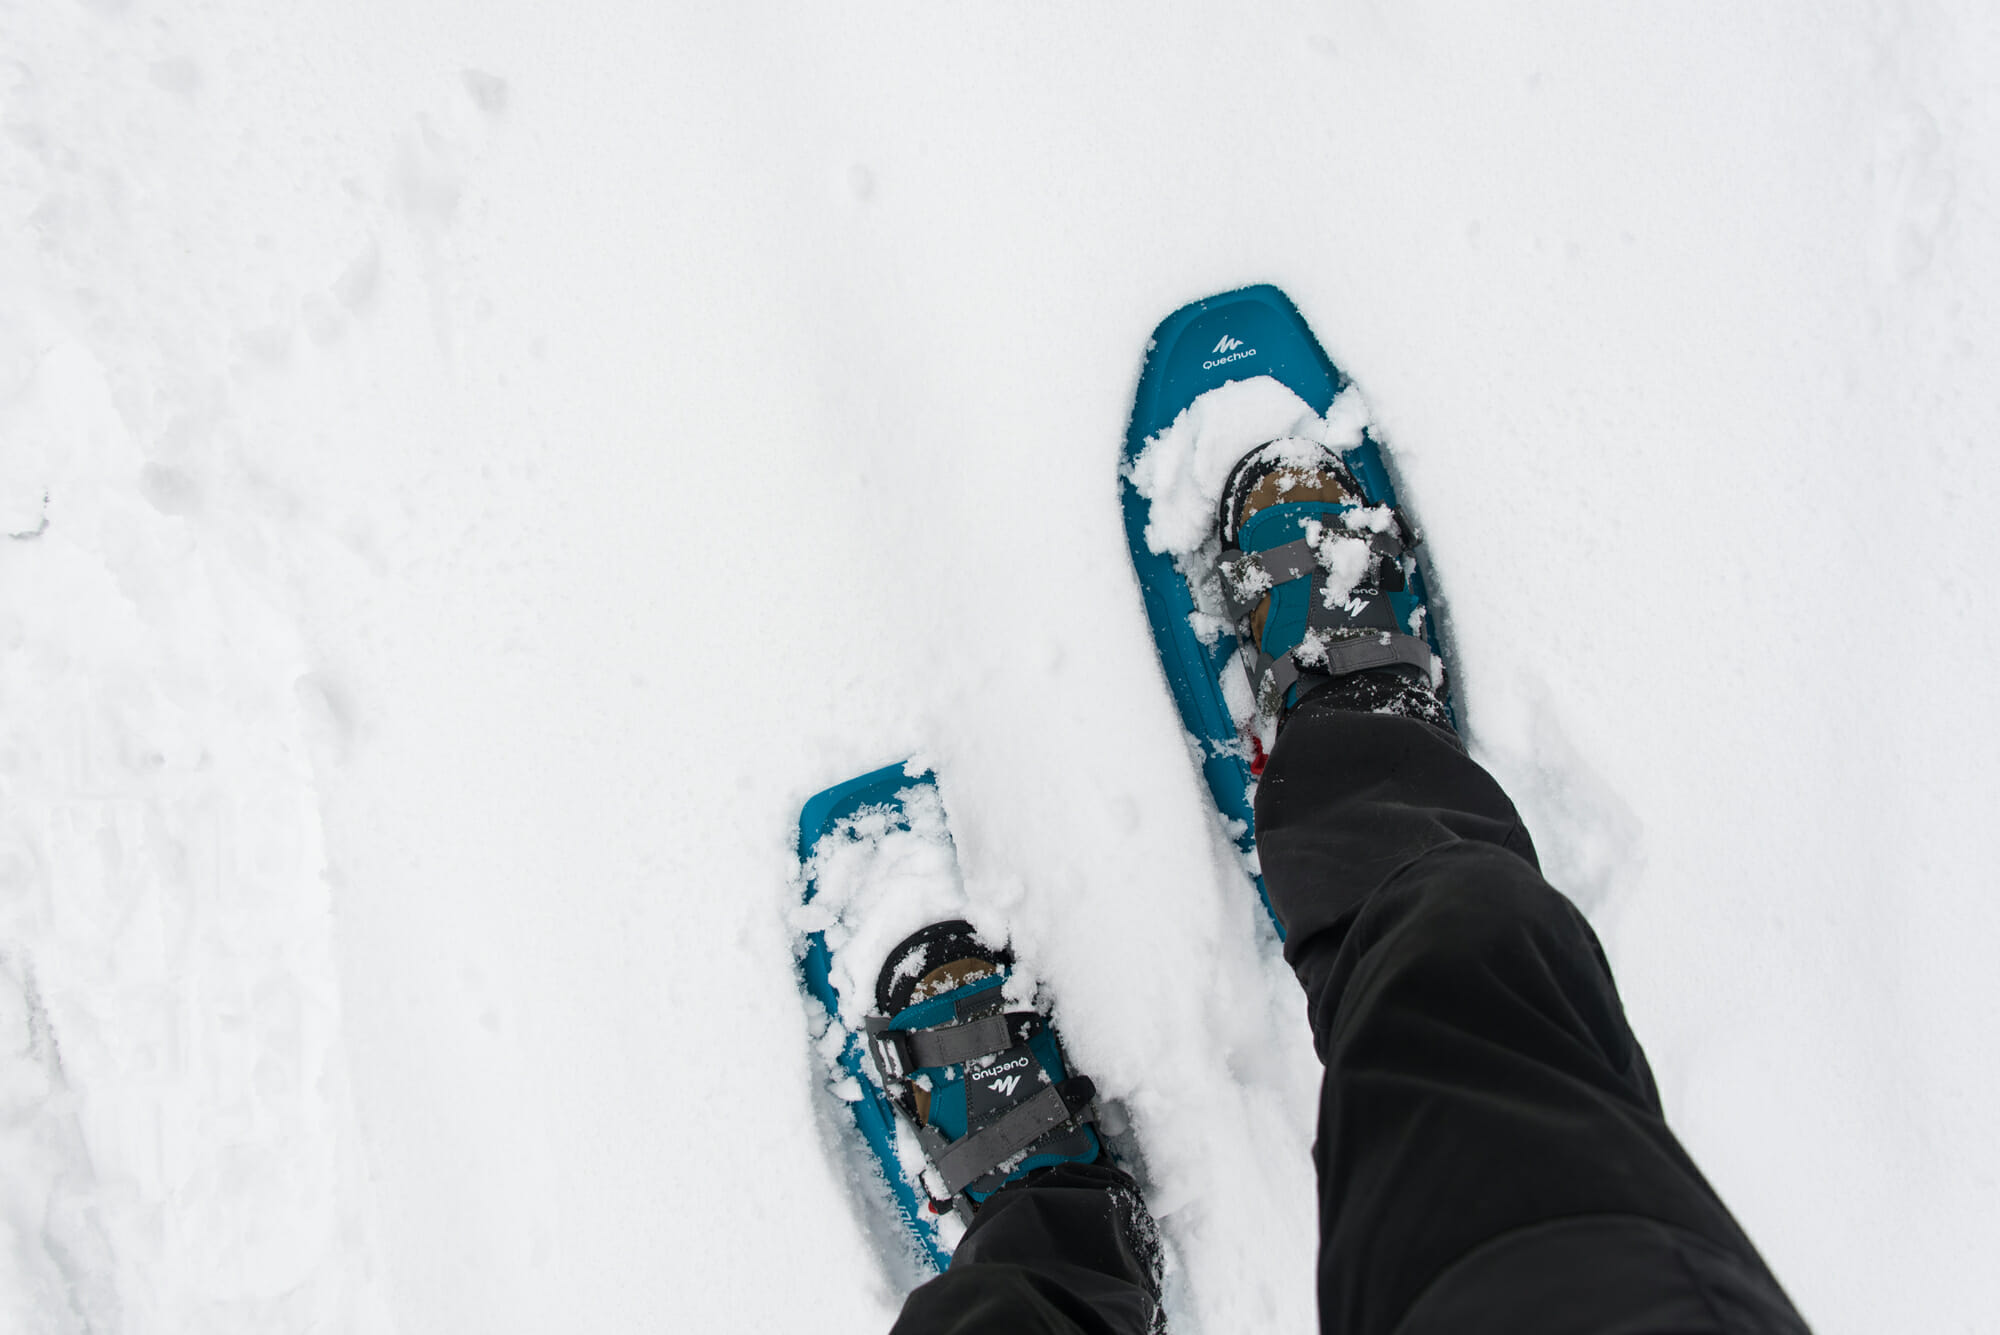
<point>1264,529</point>
<point>939,1050</point>
<point>1319,583</point>
<point>985,1085</point>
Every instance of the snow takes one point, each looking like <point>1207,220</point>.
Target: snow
<point>879,878</point>
<point>1182,470</point>
<point>473,475</point>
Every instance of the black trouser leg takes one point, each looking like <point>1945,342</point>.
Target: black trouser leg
<point>1064,1251</point>
<point>1491,1155</point>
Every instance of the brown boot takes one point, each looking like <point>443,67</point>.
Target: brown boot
<point>1278,472</point>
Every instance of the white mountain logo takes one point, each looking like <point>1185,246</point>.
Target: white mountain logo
<point>1004,1086</point>
<point>1229,349</point>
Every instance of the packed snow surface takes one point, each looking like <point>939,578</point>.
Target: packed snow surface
<point>468,473</point>
<point>878,876</point>
<point>1182,470</point>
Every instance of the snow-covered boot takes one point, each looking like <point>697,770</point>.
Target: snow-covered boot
<point>1319,581</point>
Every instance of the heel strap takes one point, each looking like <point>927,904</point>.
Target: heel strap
<point>1273,678</point>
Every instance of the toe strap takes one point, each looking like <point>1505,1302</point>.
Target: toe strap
<point>1248,576</point>
<point>897,1052</point>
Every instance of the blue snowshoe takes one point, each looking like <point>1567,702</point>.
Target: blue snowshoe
<point>954,1078</point>
<point>1274,559</point>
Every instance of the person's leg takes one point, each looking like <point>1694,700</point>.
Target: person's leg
<point>1491,1151</point>
<point>1068,1250</point>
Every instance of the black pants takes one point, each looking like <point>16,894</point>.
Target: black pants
<point>1491,1152</point>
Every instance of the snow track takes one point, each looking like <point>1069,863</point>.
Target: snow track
<point>175,1130</point>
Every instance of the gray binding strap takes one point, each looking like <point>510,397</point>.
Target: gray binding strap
<point>1388,549</point>
<point>1275,680</point>
<point>953,1044</point>
<point>964,1162</point>
<point>900,1051</point>
<point>1360,653</point>
<point>1247,577</point>
<point>1356,653</point>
